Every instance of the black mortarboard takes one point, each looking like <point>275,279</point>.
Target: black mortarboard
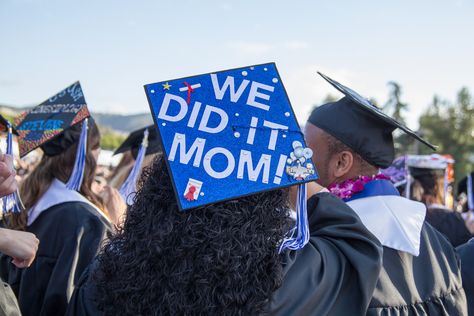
<point>52,124</point>
<point>5,124</point>
<point>466,186</point>
<point>360,125</point>
<point>141,142</point>
<point>134,141</point>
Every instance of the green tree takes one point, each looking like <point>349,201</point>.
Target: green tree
<point>329,99</point>
<point>8,117</point>
<point>110,139</point>
<point>397,109</point>
<point>451,127</point>
<point>394,103</point>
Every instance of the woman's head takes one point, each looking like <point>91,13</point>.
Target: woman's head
<point>428,185</point>
<point>217,259</point>
<point>59,164</point>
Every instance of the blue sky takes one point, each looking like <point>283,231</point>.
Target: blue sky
<point>115,47</point>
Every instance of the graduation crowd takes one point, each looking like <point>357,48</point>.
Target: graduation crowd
<point>383,236</point>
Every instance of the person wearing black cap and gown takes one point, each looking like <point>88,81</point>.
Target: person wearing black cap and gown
<point>61,210</point>
<point>423,178</point>
<point>447,221</point>
<point>420,273</point>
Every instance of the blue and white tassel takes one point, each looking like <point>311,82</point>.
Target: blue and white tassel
<point>301,229</point>
<point>12,201</point>
<point>470,198</point>
<point>75,180</point>
<point>130,185</point>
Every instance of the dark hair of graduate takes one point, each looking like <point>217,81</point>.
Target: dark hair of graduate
<point>428,186</point>
<point>220,259</point>
<point>60,167</point>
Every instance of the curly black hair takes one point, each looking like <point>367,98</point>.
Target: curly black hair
<point>220,259</point>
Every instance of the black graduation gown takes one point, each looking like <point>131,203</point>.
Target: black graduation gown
<point>334,274</point>
<point>466,252</point>
<point>449,223</point>
<point>70,236</point>
<point>429,284</point>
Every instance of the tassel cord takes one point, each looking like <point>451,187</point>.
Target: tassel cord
<point>77,175</point>
<point>130,185</point>
<point>301,228</point>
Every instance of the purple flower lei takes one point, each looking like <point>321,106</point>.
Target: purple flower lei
<point>346,189</point>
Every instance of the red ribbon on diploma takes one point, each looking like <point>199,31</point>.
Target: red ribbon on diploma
<point>190,195</point>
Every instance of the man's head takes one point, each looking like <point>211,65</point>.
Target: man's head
<point>351,137</point>
<point>334,161</point>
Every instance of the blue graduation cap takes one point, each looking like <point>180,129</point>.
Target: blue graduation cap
<point>229,134</point>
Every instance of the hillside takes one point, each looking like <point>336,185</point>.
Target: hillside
<point>123,123</point>
<point>116,122</point>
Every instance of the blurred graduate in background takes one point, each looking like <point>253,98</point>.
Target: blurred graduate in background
<point>424,178</point>
<point>61,210</point>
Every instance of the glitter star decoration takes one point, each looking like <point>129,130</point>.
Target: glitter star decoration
<point>166,86</point>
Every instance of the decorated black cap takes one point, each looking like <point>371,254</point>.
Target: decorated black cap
<point>52,124</point>
<point>135,139</point>
<point>462,185</point>
<point>360,125</point>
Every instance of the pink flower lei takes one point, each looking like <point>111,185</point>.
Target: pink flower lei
<point>348,188</point>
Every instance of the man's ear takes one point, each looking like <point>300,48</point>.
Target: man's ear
<point>344,163</point>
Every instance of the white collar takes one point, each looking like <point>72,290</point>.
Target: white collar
<point>394,220</point>
<point>57,193</point>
